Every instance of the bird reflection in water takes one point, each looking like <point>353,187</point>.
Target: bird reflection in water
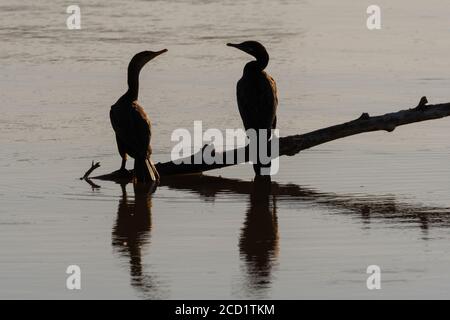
<point>259,239</point>
<point>258,243</point>
<point>131,234</point>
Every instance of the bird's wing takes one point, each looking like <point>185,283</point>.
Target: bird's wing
<point>142,130</point>
<point>270,101</point>
<point>127,124</point>
<point>118,122</point>
<point>245,104</point>
<point>258,102</point>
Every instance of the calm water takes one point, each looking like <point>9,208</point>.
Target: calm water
<point>332,211</point>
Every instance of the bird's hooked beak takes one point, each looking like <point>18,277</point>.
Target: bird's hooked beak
<point>242,47</point>
<point>234,45</point>
<point>158,53</point>
<point>150,55</point>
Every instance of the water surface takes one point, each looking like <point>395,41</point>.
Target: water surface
<point>332,211</point>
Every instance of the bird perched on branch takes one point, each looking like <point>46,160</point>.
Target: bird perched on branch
<point>132,125</point>
<point>257,98</point>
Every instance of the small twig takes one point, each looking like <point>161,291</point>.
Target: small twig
<point>88,173</point>
<point>364,116</point>
<point>422,104</point>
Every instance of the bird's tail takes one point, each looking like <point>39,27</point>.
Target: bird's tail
<point>145,171</point>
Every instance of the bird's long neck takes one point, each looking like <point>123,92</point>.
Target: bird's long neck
<point>261,62</point>
<point>133,83</point>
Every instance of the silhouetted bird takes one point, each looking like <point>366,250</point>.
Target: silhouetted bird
<point>132,125</point>
<point>257,95</point>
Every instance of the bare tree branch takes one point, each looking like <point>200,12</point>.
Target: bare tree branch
<point>292,145</point>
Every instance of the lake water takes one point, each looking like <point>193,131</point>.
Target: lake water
<point>372,199</point>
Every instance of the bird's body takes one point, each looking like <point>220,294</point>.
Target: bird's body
<point>132,125</point>
<point>133,134</point>
<point>257,97</point>
<point>257,100</point>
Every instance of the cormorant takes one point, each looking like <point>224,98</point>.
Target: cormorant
<point>132,125</point>
<point>257,96</point>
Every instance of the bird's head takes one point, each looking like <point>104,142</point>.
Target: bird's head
<point>141,59</point>
<point>253,48</point>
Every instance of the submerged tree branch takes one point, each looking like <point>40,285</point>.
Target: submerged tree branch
<point>292,145</point>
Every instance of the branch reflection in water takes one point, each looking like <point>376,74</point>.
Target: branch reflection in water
<point>259,239</point>
<point>259,242</point>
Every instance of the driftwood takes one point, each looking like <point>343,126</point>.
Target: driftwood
<point>292,145</point>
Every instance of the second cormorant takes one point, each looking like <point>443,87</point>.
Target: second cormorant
<point>257,98</point>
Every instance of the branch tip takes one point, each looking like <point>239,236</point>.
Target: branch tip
<point>422,104</point>
<point>364,116</point>
<point>94,166</point>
